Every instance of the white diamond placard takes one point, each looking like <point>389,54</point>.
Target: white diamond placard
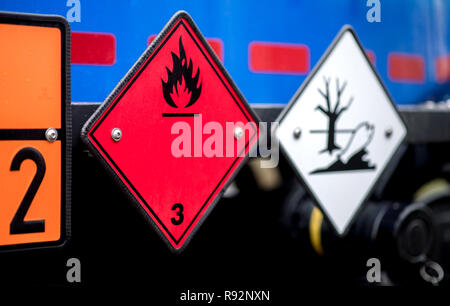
<point>341,130</point>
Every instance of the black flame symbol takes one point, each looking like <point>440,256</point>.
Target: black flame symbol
<point>182,72</point>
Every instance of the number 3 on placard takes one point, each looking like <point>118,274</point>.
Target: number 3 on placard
<point>18,224</point>
<point>179,208</point>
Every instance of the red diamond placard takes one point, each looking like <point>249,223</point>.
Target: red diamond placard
<point>174,131</point>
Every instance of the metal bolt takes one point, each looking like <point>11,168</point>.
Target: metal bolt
<point>116,134</point>
<point>51,134</point>
<point>238,133</point>
<point>388,132</point>
<point>297,132</point>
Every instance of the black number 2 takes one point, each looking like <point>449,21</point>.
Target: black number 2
<point>180,208</point>
<point>18,224</point>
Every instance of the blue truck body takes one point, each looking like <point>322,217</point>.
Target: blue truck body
<point>419,27</point>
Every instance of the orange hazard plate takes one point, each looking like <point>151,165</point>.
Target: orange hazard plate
<point>34,135</point>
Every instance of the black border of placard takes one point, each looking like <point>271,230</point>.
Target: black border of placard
<point>395,155</point>
<point>116,95</point>
<point>64,133</point>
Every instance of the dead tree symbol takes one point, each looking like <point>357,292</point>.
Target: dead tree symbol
<point>332,113</point>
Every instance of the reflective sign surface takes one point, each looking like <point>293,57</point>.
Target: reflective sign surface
<point>33,131</point>
<point>341,130</point>
<point>174,131</point>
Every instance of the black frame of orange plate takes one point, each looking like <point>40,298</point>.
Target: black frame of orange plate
<point>66,124</point>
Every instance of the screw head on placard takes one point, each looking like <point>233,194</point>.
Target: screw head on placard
<point>297,132</point>
<point>51,134</point>
<point>238,133</point>
<point>116,134</point>
<point>388,132</point>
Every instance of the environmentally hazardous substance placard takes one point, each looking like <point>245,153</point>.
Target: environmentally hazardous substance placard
<point>341,130</point>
